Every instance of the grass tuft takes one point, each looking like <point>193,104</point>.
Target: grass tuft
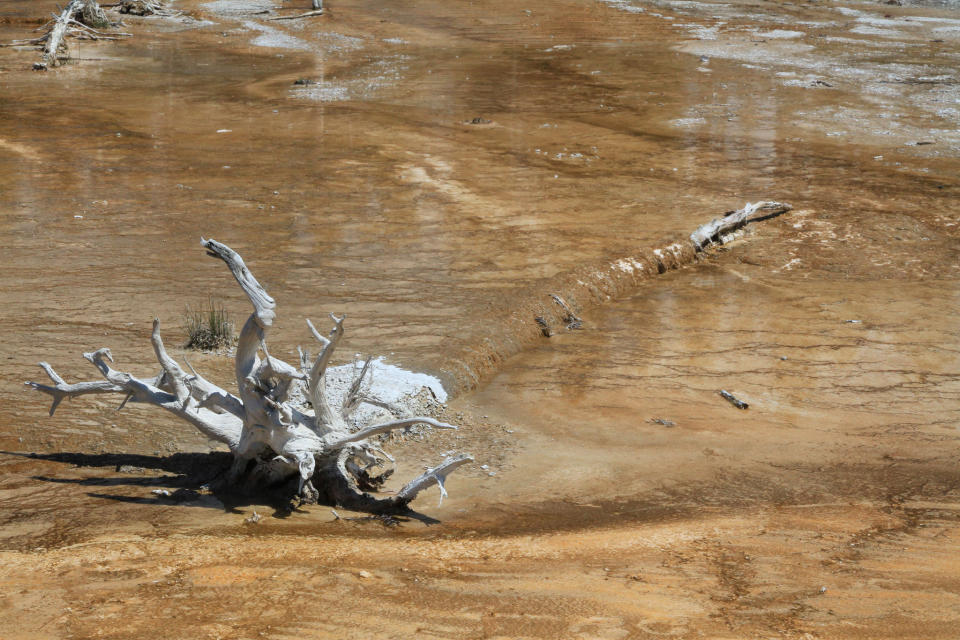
<point>208,328</point>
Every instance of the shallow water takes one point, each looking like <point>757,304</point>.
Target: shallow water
<point>604,129</point>
<point>386,205</point>
<point>834,375</point>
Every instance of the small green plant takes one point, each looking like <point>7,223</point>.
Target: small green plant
<point>208,328</point>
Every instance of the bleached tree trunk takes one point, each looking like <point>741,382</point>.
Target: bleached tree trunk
<point>272,438</point>
<point>51,52</point>
<point>79,18</point>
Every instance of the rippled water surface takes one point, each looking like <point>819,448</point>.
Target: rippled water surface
<point>438,170</point>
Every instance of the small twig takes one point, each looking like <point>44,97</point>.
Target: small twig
<point>572,320</point>
<point>308,14</point>
<point>662,421</point>
<point>739,404</point>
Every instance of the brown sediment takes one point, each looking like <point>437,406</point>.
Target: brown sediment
<point>828,509</point>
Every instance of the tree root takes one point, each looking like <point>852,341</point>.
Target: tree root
<point>278,443</point>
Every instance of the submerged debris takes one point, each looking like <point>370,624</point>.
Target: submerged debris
<point>739,404</point>
<point>662,421</point>
<point>544,327</point>
<point>572,320</point>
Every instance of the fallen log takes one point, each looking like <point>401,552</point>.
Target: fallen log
<point>603,281</point>
<point>52,51</point>
<point>80,19</point>
<point>308,14</point>
<point>714,231</point>
<point>317,11</point>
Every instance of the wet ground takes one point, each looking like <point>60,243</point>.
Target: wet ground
<point>622,496</point>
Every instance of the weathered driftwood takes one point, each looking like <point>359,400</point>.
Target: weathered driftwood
<point>603,282</point>
<point>275,440</point>
<point>715,230</point>
<point>571,320</point>
<point>317,11</point>
<point>55,48</point>
<point>308,14</point>
<point>732,399</point>
<point>79,19</point>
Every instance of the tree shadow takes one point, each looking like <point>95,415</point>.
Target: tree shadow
<point>198,482</point>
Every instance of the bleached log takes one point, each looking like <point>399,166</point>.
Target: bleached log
<point>272,439</point>
<point>210,396</point>
<point>51,51</point>
<point>308,14</point>
<point>81,19</point>
<point>713,231</point>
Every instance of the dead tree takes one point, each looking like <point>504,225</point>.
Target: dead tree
<point>79,16</point>
<point>275,440</point>
<point>81,19</point>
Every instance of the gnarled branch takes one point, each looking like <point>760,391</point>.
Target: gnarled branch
<point>316,384</point>
<point>437,475</point>
<point>61,389</point>
<point>336,441</point>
